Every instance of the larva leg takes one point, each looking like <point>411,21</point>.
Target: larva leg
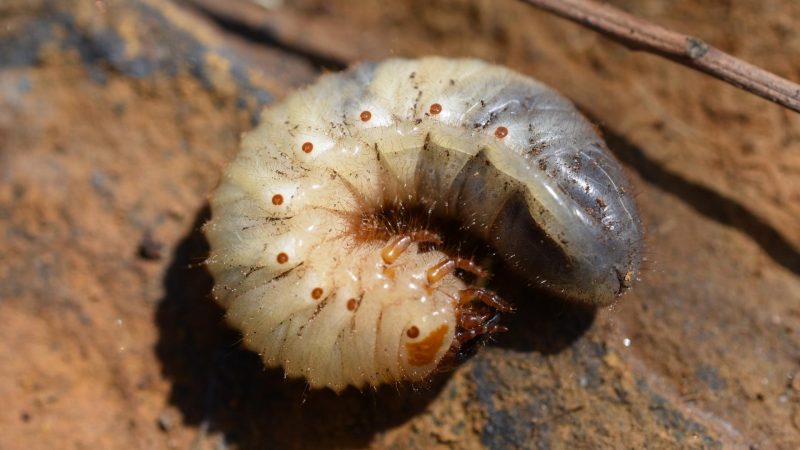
<point>448,265</point>
<point>440,270</point>
<point>486,296</point>
<point>469,266</point>
<point>400,243</point>
<point>473,324</point>
<point>472,321</point>
<point>475,321</point>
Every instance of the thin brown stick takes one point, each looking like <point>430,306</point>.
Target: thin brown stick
<point>639,34</point>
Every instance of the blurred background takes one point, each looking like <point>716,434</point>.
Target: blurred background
<point>116,118</point>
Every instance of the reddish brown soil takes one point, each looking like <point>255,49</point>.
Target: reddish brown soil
<point>116,118</point>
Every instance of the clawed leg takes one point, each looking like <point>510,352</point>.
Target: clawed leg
<point>449,265</point>
<point>478,313</point>
<point>400,243</point>
<point>481,323</point>
<point>485,296</point>
<point>469,266</point>
<point>440,270</point>
<point>473,324</point>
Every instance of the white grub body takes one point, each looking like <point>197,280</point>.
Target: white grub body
<point>509,159</point>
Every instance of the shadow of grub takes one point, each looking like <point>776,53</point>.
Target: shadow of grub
<point>226,19</point>
<point>707,202</point>
<point>219,386</point>
<point>543,323</point>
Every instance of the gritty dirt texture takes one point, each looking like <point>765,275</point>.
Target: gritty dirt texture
<point>117,117</point>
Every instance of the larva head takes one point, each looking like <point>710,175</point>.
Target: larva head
<point>417,327</point>
<point>418,341</point>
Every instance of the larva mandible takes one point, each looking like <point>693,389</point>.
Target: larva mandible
<point>323,240</point>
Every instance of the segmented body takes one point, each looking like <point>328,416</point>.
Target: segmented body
<point>323,241</point>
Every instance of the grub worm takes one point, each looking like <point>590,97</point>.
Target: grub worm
<point>328,244</point>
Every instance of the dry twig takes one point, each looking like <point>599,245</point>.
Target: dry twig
<point>639,34</point>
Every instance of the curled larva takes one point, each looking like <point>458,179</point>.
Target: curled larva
<point>325,243</point>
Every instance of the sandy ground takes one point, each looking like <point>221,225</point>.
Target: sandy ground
<point>117,117</point>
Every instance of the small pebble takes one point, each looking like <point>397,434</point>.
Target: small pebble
<point>166,420</point>
<point>150,248</point>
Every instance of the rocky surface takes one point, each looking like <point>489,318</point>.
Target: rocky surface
<point>117,117</point>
